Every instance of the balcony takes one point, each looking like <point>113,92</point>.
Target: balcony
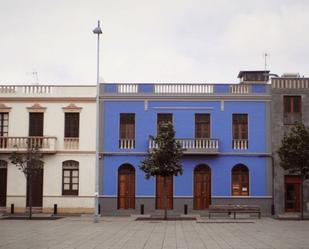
<point>71,143</point>
<point>126,144</point>
<point>240,144</point>
<point>194,145</point>
<point>21,144</point>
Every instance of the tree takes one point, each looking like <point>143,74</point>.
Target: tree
<point>30,164</point>
<point>294,156</point>
<point>164,159</point>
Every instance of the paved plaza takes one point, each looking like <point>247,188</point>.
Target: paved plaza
<point>125,232</point>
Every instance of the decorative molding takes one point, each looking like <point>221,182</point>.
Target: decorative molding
<point>4,108</point>
<point>36,107</point>
<point>72,108</point>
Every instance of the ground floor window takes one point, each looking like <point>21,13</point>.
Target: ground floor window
<point>70,177</point>
<point>240,180</point>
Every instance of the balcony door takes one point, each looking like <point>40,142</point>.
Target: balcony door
<point>3,183</point>
<point>202,187</point>
<point>36,123</point>
<point>160,192</point>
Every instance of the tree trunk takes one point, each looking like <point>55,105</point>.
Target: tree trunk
<point>30,197</point>
<point>302,198</point>
<point>165,198</point>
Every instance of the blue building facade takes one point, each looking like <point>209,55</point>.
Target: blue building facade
<point>224,129</point>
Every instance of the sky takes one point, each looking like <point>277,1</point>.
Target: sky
<point>204,41</point>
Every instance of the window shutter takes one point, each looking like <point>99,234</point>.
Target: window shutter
<point>71,127</point>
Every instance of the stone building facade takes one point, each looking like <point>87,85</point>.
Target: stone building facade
<point>290,103</point>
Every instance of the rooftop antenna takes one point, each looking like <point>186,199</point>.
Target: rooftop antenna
<point>36,76</point>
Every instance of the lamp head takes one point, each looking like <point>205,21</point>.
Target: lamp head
<point>98,29</point>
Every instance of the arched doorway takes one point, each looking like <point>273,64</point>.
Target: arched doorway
<point>126,187</point>
<point>3,183</point>
<point>160,192</point>
<point>202,187</point>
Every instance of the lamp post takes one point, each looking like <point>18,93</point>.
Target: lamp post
<point>97,31</point>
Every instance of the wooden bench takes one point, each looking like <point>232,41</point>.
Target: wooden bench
<point>234,209</point>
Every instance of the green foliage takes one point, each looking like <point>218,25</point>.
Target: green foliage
<point>294,151</point>
<point>28,162</point>
<point>164,160</point>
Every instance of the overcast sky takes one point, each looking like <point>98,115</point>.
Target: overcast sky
<point>150,41</point>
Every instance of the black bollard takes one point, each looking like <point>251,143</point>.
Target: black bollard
<point>55,209</point>
<point>142,208</point>
<point>185,209</point>
<point>12,208</point>
<point>99,208</point>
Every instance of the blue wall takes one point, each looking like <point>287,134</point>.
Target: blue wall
<point>220,166</point>
<point>221,122</point>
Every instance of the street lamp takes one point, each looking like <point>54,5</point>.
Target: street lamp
<point>97,31</point>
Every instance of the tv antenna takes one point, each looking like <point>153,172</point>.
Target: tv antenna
<point>36,77</point>
<point>265,61</point>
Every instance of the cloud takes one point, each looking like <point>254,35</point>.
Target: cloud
<point>150,41</point>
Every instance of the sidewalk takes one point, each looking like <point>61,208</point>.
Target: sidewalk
<point>126,233</point>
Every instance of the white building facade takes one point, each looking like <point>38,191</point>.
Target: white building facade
<point>61,120</point>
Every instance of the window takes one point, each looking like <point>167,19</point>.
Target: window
<point>127,126</point>
<point>202,125</point>
<point>71,125</point>
<point>240,180</point>
<point>4,128</point>
<point>240,126</point>
<point>127,131</point>
<point>36,121</point>
<point>70,177</point>
<point>291,109</point>
<point>164,118</point>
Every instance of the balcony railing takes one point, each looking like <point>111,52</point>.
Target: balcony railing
<point>10,144</point>
<point>71,143</point>
<point>194,145</point>
<point>184,88</point>
<point>240,144</point>
<point>240,89</point>
<point>126,143</point>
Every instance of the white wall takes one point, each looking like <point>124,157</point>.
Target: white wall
<point>84,97</point>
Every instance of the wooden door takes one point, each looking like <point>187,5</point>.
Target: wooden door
<point>37,189</point>
<point>202,187</point>
<point>126,187</point>
<point>292,193</point>
<point>160,192</point>
<point>3,185</point>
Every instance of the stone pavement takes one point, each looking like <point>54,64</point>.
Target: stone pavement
<point>126,233</point>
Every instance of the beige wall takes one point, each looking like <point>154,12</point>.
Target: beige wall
<point>83,97</point>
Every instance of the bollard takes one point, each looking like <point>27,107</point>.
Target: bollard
<point>185,209</point>
<point>99,208</point>
<point>142,208</point>
<point>55,209</point>
<point>12,208</point>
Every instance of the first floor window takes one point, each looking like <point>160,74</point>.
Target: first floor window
<point>240,180</point>
<point>291,109</point>
<point>240,126</point>
<point>70,178</point>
